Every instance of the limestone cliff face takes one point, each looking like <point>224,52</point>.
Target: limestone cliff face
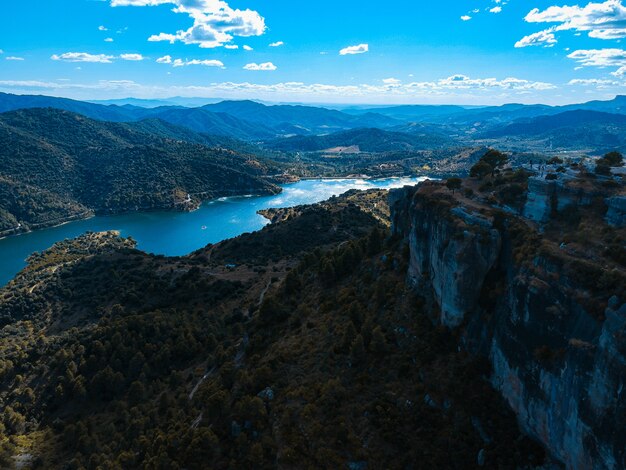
<point>561,367</point>
<point>450,259</point>
<point>546,197</point>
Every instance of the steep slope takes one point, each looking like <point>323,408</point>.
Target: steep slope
<point>543,302</point>
<point>60,165</point>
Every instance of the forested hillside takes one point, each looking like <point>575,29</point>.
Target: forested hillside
<point>116,359</point>
<point>55,165</point>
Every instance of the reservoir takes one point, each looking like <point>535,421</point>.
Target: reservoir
<point>180,233</point>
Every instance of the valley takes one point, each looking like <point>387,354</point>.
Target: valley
<point>242,285</point>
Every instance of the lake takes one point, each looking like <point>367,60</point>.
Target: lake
<point>180,233</point>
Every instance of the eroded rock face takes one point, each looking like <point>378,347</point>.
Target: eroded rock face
<point>561,368</point>
<point>451,259</point>
<point>547,197</point>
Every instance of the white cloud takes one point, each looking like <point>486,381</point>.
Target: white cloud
<point>460,81</point>
<point>266,66</point>
<point>132,57</point>
<point>606,20</point>
<point>205,62</point>
<point>11,57</point>
<point>247,48</point>
<point>231,46</point>
<point>277,44</point>
<point>542,38</point>
<point>457,88</point>
<point>360,49</point>
<point>83,57</point>
<point>599,57</point>
<point>595,82</point>
<point>186,62</point>
<point>391,81</point>
<point>108,39</point>
<point>620,72</point>
<point>215,23</point>
<point>466,17</point>
<point>497,9</point>
<point>102,28</point>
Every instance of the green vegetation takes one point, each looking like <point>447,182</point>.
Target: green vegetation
<point>604,164</point>
<point>311,352</point>
<point>56,165</point>
<point>453,184</point>
<point>488,164</point>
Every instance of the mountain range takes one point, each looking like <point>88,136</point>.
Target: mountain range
<point>253,121</point>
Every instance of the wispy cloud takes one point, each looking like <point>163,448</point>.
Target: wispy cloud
<point>95,58</point>
<point>12,57</point>
<point>453,86</point>
<point>186,62</point>
<point>132,57</point>
<point>542,38</point>
<point>266,66</point>
<point>601,58</point>
<point>277,44</point>
<point>594,82</point>
<point>83,57</point>
<point>360,49</point>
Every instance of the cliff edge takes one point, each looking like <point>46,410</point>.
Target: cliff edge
<point>530,270</point>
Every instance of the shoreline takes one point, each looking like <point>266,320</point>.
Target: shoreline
<point>95,213</point>
<point>53,237</point>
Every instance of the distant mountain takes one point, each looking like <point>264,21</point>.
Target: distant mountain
<point>141,103</point>
<point>247,120</point>
<point>196,119</point>
<point>147,103</point>
<point>9,102</point>
<point>55,165</point>
<point>217,123</point>
<point>616,106</point>
<point>411,112</point>
<point>308,119</point>
<point>572,129</point>
<point>254,121</point>
<point>367,140</point>
<point>488,116</point>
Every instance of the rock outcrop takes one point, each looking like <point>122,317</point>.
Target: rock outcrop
<point>556,343</point>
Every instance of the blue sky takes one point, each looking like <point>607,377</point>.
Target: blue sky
<point>347,51</point>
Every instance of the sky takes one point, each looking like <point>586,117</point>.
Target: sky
<point>473,52</point>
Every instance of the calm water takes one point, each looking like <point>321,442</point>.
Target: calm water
<point>180,233</point>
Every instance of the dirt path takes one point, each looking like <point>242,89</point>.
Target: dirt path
<point>202,379</point>
<point>264,291</point>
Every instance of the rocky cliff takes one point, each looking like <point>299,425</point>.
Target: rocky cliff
<point>544,303</point>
